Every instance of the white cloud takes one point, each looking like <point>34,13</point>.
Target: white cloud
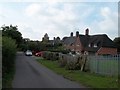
<point>33,9</point>
<point>105,12</point>
<point>51,18</point>
<point>50,11</point>
<point>110,20</point>
<point>108,23</point>
<point>59,19</point>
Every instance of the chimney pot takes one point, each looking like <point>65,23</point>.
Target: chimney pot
<point>71,34</point>
<point>54,38</point>
<point>77,34</point>
<point>87,31</point>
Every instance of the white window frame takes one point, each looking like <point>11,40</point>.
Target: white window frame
<point>95,45</point>
<point>89,45</point>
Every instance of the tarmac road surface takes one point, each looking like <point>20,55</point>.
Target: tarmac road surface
<point>30,74</point>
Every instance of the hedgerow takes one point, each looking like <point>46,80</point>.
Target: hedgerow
<point>8,57</point>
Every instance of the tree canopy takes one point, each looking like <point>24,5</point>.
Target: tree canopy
<point>117,42</point>
<point>12,32</point>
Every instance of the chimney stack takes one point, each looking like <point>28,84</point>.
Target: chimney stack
<point>71,34</point>
<point>77,34</point>
<point>54,38</point>
<point>87,31</point>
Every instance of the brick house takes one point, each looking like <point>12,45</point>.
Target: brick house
<point>92,44</point>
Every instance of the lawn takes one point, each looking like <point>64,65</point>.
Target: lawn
<point>85,78</point>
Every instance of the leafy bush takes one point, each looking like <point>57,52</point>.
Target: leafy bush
<point>50,55</point>
<point>44,54</point>
<point>62,61</point>
<point>69,62</point>
<point>56,56</point>
<point>8,56</point>
<point>73,66</point>
<point>65,51</point>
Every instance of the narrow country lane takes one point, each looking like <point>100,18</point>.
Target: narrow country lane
<point>31,74</point>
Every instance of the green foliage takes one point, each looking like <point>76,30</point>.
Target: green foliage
<point>62,61</point>
<point>12,32</point>
<point>33,45</point>
<point>56,56</point>
<point>8,56</point>
<point>73,66</point>
<point>117,42</point>
<point>51,55</point>
<point>65,51</point>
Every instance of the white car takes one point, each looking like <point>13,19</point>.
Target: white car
<point>28,53</point>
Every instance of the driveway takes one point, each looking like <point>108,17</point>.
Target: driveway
<point>31,74</point>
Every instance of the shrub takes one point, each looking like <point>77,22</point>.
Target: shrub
<point>50,55</point>
<point>56,56</point>
<point>8,53</point>
<point>45,54</point>
<point>8,56</point>
<point>72,65</point>
<point>65,51</point>
<point>62,61</point>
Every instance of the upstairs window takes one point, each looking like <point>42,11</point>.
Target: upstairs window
<point>92,45</point>
<point>95,45</point>
<point>89,45</point>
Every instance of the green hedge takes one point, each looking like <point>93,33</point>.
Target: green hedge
<point>51,55</point>
<point>8,56</point>
<point>73,66</point>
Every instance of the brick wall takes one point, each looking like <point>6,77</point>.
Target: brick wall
<point>104,50</point>
<point>76,46</point>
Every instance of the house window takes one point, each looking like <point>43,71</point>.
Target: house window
<point>95,45</point>
<point>89,45</point>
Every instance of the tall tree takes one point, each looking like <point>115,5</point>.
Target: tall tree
<point>117,42</point>
<point>12,31</point>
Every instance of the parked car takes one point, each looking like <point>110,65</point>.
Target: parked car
<point>28,53</point>
<point>34,52</point>
<point>39,54</point>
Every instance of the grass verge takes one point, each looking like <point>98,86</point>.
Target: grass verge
<point>85,78</point>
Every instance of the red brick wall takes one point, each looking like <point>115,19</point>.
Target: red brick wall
<point>77,46</point>
<point>104,50</point>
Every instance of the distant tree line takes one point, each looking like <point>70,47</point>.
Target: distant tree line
<point>117,43</point>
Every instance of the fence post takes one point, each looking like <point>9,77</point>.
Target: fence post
<point>84,59</point>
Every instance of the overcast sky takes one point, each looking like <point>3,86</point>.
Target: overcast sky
<point>34,19</point>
